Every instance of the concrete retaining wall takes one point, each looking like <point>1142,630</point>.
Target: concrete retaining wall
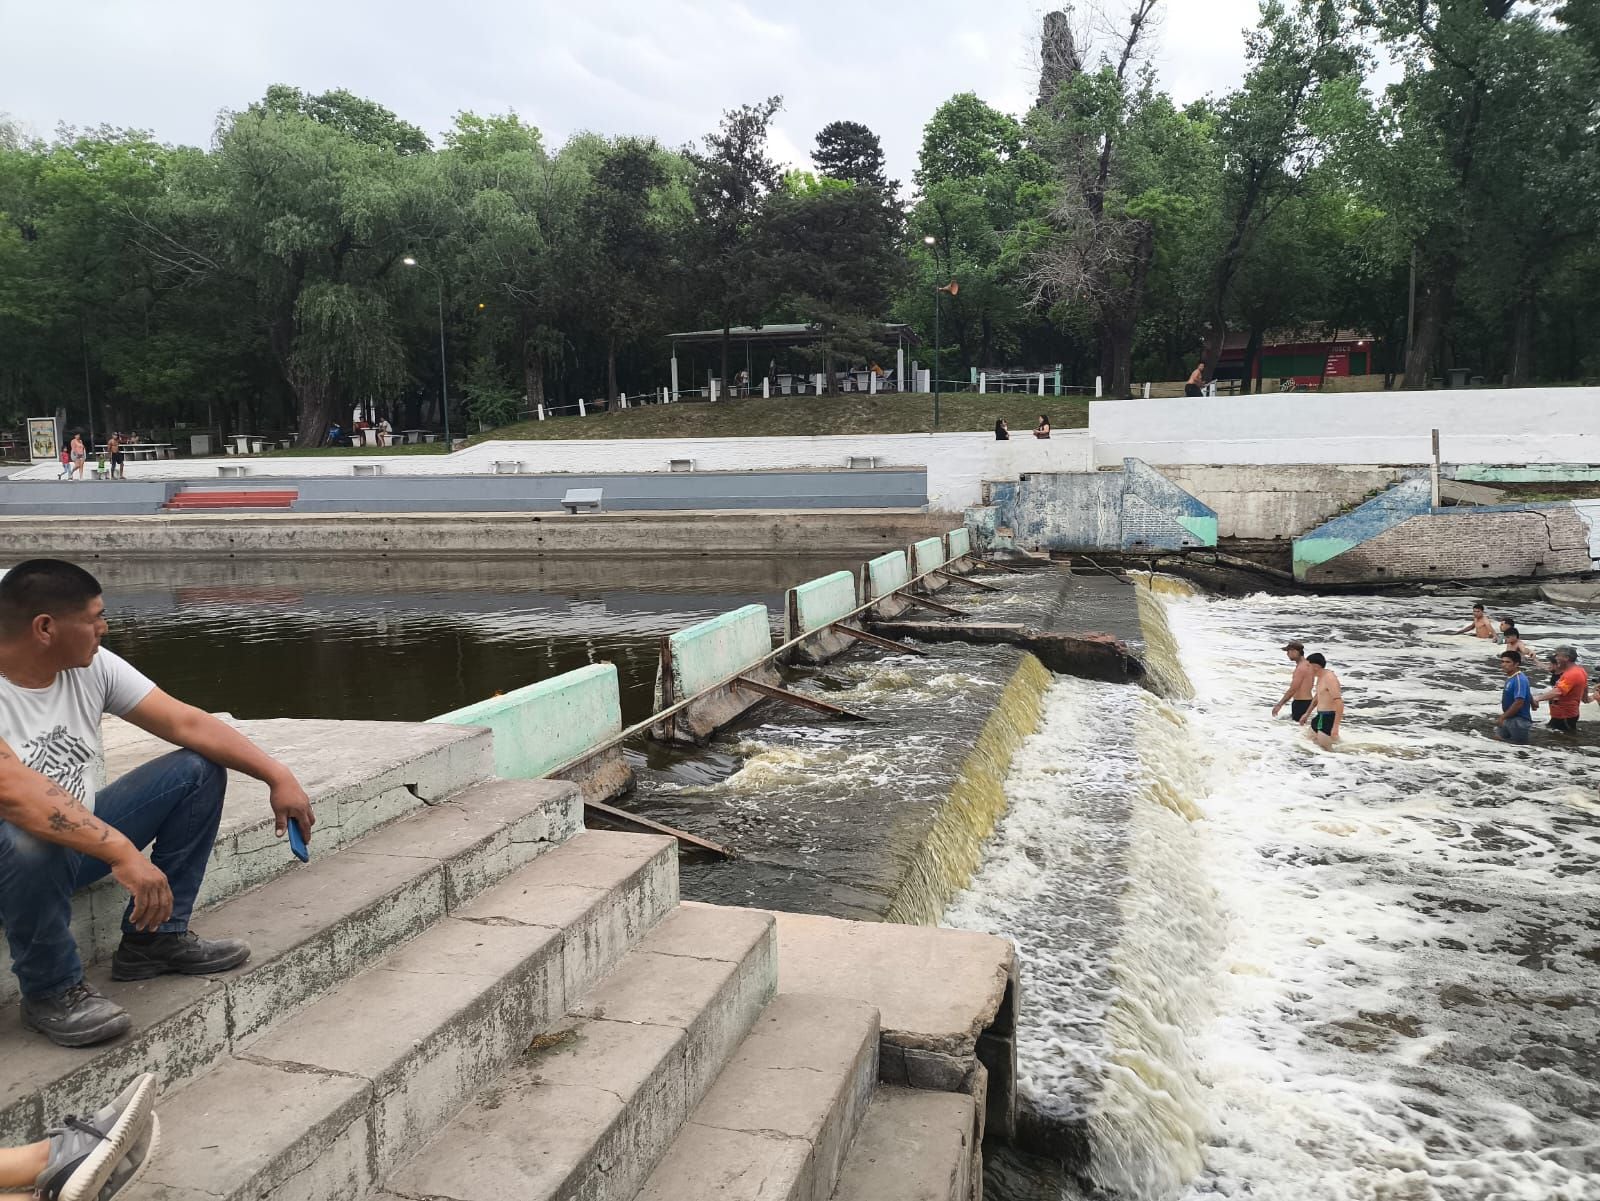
<point>91,498</point>
<point>540,727</point>
<point>1383,512</point>
<point>287,535</point>
<point>696,658</point>
<point>956,464</point>
<point>1135,509</point>
<point>1281,501</point>
<point>1479,425</point>
<point>814,606</point>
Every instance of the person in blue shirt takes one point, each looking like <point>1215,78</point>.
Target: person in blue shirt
<point>1515,722</point>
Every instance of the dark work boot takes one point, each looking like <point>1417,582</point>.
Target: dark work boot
<point>75,1017</point>
<point>142,956</point>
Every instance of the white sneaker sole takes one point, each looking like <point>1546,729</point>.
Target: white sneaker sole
<point>138,1117</point>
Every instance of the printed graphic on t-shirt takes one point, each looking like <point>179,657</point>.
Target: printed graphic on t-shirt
<point>59,756</point>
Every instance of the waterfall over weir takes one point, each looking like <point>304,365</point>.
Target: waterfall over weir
<point>1252,968</point>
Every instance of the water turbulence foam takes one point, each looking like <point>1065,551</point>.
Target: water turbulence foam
<point>1255,968</point>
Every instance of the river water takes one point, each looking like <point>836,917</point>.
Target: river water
<point>1257,969</point>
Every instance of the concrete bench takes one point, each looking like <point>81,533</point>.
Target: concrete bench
<point>363,469</point>
<point>582,498</point>
<point>508,466</point>
<point>232,470</point>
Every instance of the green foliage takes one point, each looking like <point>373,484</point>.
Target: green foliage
<point>850,152</point>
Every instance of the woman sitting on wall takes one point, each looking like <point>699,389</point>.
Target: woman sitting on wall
<point>1042,430</point>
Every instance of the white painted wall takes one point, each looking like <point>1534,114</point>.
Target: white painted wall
<point>957,464</point>
<point>1481,425</point>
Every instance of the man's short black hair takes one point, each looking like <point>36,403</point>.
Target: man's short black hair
<point>1514,656</point>
<point>38,586</point>
<point>1479,605</point>
<point>1511,632</point>
<point>1317,659</point>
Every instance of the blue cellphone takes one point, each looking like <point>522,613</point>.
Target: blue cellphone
<point>297,842</point>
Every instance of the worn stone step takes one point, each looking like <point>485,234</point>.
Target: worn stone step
<point>588,1111</point>
<point>368,1072</point>
<point>359,775</point>
<point>913,1145</point>
<point>307,931</point>
<point>778,1121</point>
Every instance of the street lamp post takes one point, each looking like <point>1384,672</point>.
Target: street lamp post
<point>929,242</point>
<point>444,379</point>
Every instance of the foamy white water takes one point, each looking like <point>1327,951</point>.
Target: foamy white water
<point>1254,968</point>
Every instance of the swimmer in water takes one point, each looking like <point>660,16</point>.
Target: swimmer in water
<point>1480,625</point>
<point>1516,642</point>
<point>1326,713</point>
<point>1298,694</point>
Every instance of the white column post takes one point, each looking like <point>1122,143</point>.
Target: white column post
<point>1099,386</point>
<point>766,387</point>
<point>674,373</point>
<point>872,383</point>
<point>1041,383</point>
<point>1147,389</point>
<point>541,412</point>
<point>900,368</point>
<point>1435,469</point>
<point>983,382</point>
<point>582,410</point>
<point>623,396</point>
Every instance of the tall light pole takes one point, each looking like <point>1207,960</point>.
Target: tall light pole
<point>930,241</point>
<point>444,379</point>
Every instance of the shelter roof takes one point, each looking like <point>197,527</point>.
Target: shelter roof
<point>799,334</point>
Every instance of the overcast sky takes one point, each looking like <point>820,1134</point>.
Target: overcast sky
<point>661,67</point>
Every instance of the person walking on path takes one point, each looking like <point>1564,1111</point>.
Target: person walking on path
<point>79,454</point>
<point>1567,691</point>
<point>1515,722</point>
<point>1326,713</point>
<point>60,831</point>
<point>1298,695</point>
<point>114,454</point>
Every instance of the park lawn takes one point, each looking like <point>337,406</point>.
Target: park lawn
<point>799,416</point>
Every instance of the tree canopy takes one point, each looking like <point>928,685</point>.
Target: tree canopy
<point>303,263</point>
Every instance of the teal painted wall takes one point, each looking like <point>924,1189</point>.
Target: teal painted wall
<point>721,647</point>
<point>958,543</point>
<point>1533,473</point>
<point>544,725</point>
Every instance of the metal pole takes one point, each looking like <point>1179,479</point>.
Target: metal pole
<point>1435,469</point>
<point>936,358</point>
<point>444,379</point>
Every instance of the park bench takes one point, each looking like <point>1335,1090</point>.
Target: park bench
<point>582,499</point>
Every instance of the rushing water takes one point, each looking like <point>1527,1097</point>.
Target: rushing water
<point>1257,969</point>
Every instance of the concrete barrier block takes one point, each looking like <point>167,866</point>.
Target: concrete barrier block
<point>694,659</point>
<point>925,556</point>
<point>881,580</point>
<point>814,606</point>
<point>958,547</point>
<point>546,724</point>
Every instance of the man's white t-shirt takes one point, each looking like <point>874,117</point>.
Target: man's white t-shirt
<point>56,730</point>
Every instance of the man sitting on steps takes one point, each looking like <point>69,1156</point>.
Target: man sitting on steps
<point>58,833</point>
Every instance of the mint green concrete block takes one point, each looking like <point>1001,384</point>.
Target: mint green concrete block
<point>1203,528</point>
<point>1309,552</point>
<point>822,602</point>
<point>721,647</point>
<point>1532,473</point>
<point>887,573</point>
<point>544,725</point>
<point>958,543</point>
<point>927,555</point>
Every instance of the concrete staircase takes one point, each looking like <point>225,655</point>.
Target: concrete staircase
<point>201,499</point>
<point>471,997</point>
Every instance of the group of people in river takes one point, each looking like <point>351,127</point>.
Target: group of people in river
<point>1316,698</point>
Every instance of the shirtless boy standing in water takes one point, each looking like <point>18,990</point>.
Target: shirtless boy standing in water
<point>1300,684</point>
<point>1480,625</point>
<point>1326,714</point>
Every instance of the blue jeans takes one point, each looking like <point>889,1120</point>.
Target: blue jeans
<point>174,802</point>
<point>1514,729</point>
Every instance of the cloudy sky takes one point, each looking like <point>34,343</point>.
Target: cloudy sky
<point>662,67</point>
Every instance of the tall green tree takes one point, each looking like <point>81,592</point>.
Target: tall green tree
<point>850,151</point>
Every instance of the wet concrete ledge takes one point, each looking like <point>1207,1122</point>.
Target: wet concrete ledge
<point>477,535</point>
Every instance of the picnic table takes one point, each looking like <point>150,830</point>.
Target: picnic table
<point>413,436</point>
<point>137,452</point>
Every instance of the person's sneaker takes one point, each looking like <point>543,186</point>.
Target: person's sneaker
<point>142,956</point>
<point>76,1017</point>
<point>100,1157</point>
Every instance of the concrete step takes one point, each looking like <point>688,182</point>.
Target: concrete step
<point>359,775</point>
<point>778,1121</point>
<point>308,931</point>
<point>592,1106</point>
<point>913,1146</point>
<point>360,1079</point>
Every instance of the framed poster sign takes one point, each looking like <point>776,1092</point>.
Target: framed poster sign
<point>44,443</point>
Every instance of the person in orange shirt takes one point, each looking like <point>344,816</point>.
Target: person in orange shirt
<point>1571,686</point>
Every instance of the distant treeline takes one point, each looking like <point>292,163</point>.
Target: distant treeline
<point>298,266</point>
